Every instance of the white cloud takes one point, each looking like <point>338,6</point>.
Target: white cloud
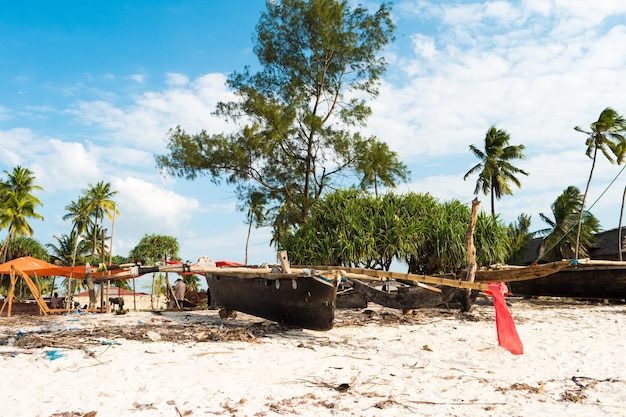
<point>537,88</point>
<point>177,80</point>
<point>145,121</point>
<point>424,46</point>
<point>138,78</point>
<point>16,144</point>
<point>145,202</point>
<point>66,166</point>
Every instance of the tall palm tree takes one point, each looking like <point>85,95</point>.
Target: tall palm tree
<point>607,136</point>
<point>100,198</point>
<point>495,170</point>
<point>18,204</point>
<point>559,242</point>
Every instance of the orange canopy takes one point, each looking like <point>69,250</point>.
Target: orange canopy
<point>28,265</point>
<point>32,266</point>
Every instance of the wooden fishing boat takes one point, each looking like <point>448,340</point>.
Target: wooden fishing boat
<point>348,297</point>
<point>409,291</point>
<point>404,297</point>
<point>586,280</point>
<point>299,298</point>
<point>590,279</point>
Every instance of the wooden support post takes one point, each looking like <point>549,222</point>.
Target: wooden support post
<point>8,301</point>
<point>170,291</point>
<point>14,273</point>
<point>466,300</point>
<point>284,262</point>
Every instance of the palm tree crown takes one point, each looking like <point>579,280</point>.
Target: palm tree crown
<point>100,203</point>
<point>495,171</point>
<point>18,204</point>
<point>559,242</point>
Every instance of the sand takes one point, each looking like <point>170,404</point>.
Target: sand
<point>374,362</point>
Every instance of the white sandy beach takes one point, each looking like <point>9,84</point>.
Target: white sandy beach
<point>372,363</point>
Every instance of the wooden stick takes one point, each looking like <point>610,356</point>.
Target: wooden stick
<point>284,262</point>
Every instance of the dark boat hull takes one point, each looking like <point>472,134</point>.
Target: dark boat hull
<point>302,301</point>
<point>407,298</point>
<point>595,282</point>
<point>351,299</point>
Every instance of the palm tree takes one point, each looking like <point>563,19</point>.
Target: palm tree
<point>100,203</point>
<point>63,251</point>
<point>607,136</point>
<point>192,282</point>
<point>495,171</point>
<point>559,242</point>
<point>21,181</point>
<point>17,205</point>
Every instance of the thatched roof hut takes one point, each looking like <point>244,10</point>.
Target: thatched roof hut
<point>604,247</point>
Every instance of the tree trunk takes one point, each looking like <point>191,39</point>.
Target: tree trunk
<point>245,261</point>
<point>582,206</point>
<point>466,299</point>
<point>619,231</point>
<point>90,286</point>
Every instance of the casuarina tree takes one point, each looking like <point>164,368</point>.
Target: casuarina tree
<point>300,114</point>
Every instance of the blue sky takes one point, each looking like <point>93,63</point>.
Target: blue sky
<point>90,89</point>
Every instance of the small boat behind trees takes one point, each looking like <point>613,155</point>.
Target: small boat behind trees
<point>584,279</point>
<point>402,296</point>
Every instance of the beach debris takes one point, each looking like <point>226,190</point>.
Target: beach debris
<point>227,313</point>
<point>154,336</point>
<point>391,402</point>
<point>54,354</point>
<point>75,414</point>
<point>518,386</point>
<point>149,406</point>
<point>342,387</point>
<point>578,395</point>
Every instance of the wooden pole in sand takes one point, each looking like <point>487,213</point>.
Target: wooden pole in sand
<point>8,301</point>
<point>466,302</point>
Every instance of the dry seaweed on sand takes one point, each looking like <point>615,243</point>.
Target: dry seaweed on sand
<point>188,332</point>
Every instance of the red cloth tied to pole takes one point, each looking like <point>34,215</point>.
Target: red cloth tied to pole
<point>507,334</point>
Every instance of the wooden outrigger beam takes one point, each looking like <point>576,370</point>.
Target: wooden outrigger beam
<point>521,273</point>
<point>506,274</point>
<point>364,273</point>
